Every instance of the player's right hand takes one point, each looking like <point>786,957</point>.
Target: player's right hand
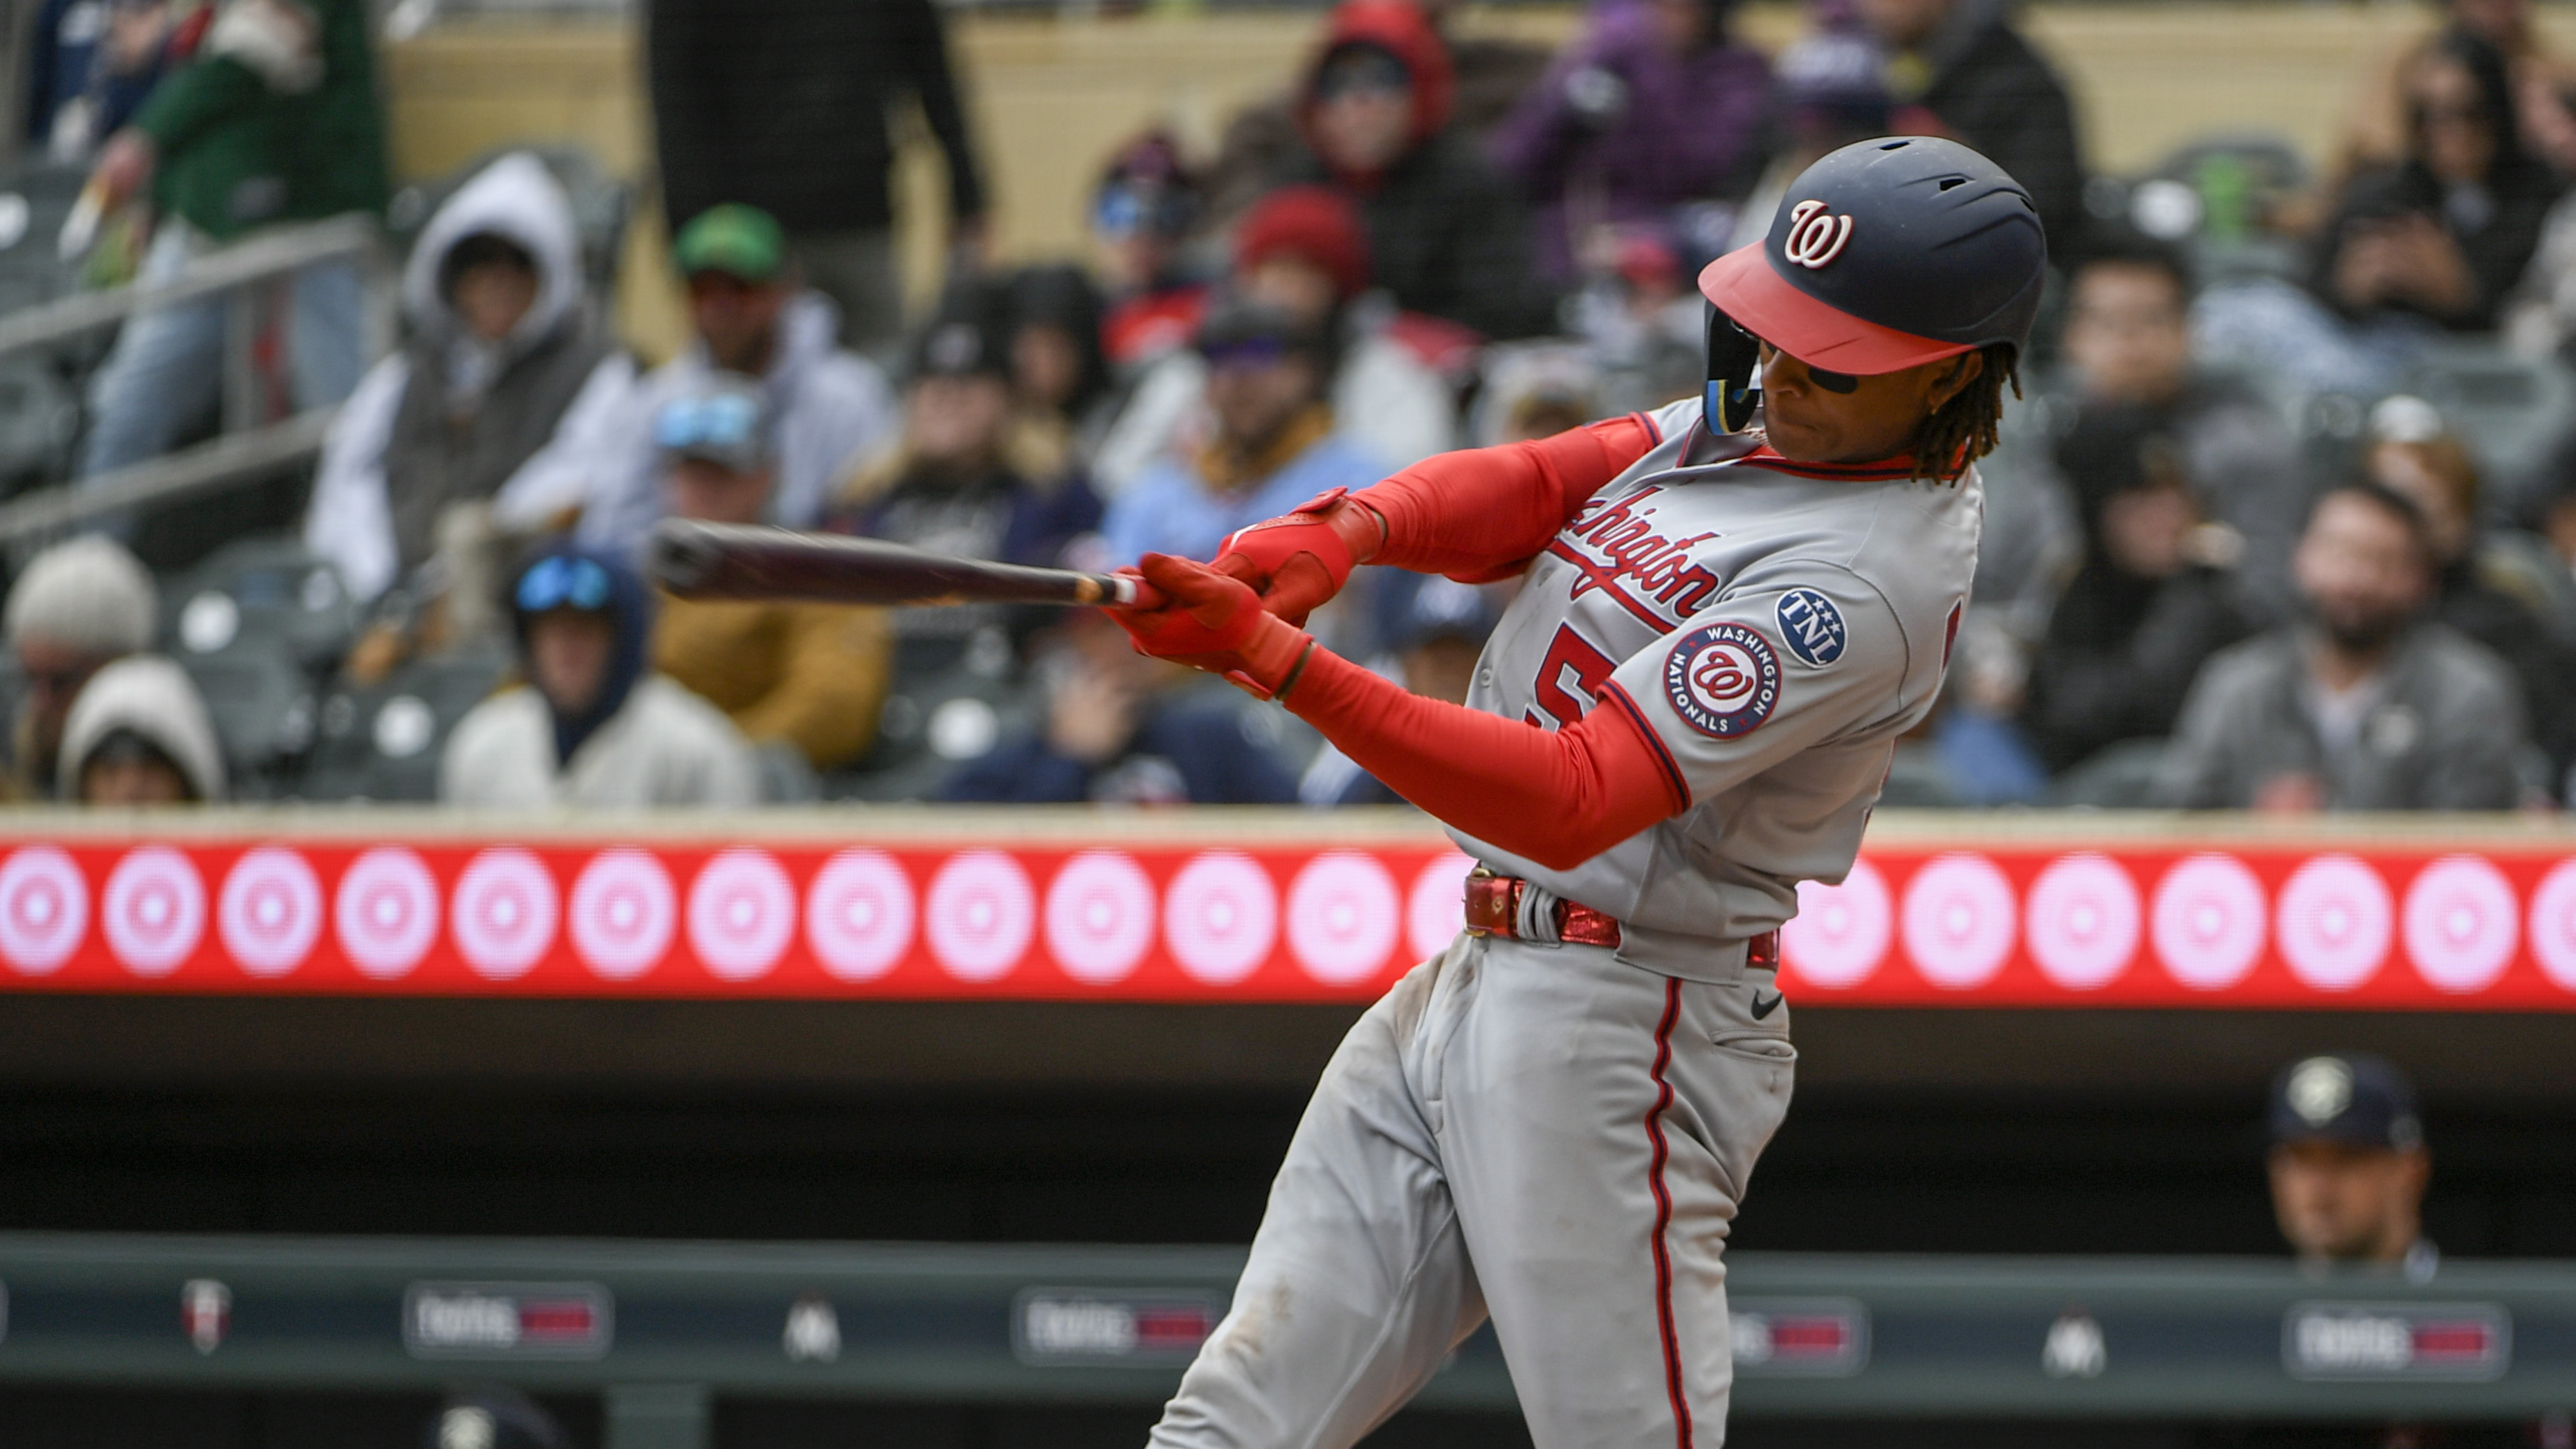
<point>1211,621</point>
<point>1298,561</point>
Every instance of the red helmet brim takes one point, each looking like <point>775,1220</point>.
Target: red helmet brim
<point>1745,286</point>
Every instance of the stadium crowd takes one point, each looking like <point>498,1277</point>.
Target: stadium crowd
<point>2251,540</point>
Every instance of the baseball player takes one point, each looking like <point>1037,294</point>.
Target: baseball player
<point>1727,618</point>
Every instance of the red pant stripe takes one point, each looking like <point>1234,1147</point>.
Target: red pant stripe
<point>1664,1215</point>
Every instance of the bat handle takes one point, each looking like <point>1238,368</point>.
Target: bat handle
<point>1126,591</point>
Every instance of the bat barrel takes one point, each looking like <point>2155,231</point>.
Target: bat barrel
<point>695,560</point>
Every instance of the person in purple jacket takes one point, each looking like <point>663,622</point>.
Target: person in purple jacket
<point>1656,106</point>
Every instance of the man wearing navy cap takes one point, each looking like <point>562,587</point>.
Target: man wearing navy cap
<point>2348,1162</point>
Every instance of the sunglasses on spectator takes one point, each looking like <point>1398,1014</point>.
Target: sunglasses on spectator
<point>1363,71</point>
<point>721,424</point>
<point>563,583</point>
<point>1250,352</point>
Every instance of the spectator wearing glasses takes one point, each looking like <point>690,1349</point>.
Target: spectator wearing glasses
<point>1273,445</point>
<point>79,606</point>
<point>593,727</point>
<point>140,735</point>
<point>829,408</point>
<point>507,386</point>
<point>805,676</point>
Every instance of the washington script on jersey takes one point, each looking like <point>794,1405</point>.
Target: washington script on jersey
<point>1615,541</point>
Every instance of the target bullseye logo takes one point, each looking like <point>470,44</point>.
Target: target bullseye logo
<point>270,912</point>
<point>1959,921</point>
<point>1221,917</point>
<point>2461,924</point>
<point>2082,921</point>
<point>623,912</point>
<point>2209,922</point>
<point>2553,924</point>
<point>503,913</point>
<point>982,915</point>
<point>742,914</point>
<point>386,912</point>
<point>154,913</point>
<point>1342,917</point>
<point>859,915</point>
<point>2334,922</point>
<point>1840,933</point>
<point>44,909</point>
<point>1435,910</point>
<point>1100,917</point>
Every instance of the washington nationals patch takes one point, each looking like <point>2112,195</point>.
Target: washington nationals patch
<point>1723,679</point>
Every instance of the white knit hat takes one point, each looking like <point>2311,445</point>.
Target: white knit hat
<point>152,696</point>
<point>89,594</point>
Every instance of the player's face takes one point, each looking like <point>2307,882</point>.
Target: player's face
<point>1831,417</point>
<point>2348,1203</point>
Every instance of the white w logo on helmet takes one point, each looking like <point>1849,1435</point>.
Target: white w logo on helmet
<point>1816,236</point>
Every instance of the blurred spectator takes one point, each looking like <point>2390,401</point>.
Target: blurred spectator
<point>1435,632</point>
<point>2149,604</point>
<point>965,477</point>
<point>785,105</point>
<point>1654,106</point>
<point>139,735</point>
<point>91,63</point>
<point>1643,322</point>
<point>2375,133</point>
<point>592,728</point>
<point>489,1416</point>
<point>1141,214</point>
<point>2412,456</point>
<point>1124,729</point>
<point>1445,234</point>
<point>1534,390</point>
<point>828,407</point>
<point>807,676</point>
<point>1303,252</point>
<point>2348,1163</point>
<point>1491,72</point>
<point>1275,444</point>
<point>275,120</point>
<point>2368,707</point>
<point>1058,369</point>
<point>1830,88</point>
<point>499,398</point>
<point>2128,345</point>
<point>78,607</point>
<point>1964,63</point>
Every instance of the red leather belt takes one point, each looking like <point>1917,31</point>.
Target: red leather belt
<point>1494,909</point>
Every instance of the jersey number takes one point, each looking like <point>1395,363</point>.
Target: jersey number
<point>1569,679</point>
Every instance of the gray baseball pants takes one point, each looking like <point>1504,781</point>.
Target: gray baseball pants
<point>1542,1133</point>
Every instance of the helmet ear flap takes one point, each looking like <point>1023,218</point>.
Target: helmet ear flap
<point>1734,375</point>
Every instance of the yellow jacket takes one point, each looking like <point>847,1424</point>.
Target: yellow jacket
<point>813,675</point>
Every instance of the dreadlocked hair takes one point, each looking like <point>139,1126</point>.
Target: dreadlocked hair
<point>1963,429</point>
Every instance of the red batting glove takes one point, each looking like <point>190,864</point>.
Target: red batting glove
<point>1298,561</point>
<point>1212,622</point>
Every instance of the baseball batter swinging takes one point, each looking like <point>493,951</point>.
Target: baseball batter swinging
<point>1725,622</point>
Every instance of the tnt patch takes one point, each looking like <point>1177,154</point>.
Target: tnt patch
<point>1723,679</point>
<point>1811,626</point>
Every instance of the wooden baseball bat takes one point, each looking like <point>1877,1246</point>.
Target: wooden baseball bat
<point>695,560</point>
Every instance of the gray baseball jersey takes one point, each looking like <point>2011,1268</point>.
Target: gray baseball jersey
<point>1773,626</point>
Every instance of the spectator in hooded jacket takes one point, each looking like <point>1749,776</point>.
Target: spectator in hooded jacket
<point>506,387</point>
<point>1446,236</point>
<point>828,408</point>
<point>1303,251</point>
<point>78,607</point>
<point>1142,214</point>
<point>2147,607</point>
<point>1964,63</point>
<point>1654,106</point>
<point>140,735</point>
<point>593,727</point>
<point>807,676</point>
<point>785,105</point>
<point>275,120</point>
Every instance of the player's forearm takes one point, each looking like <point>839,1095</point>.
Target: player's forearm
<point>1557,798</point>
<point>1485,511</point>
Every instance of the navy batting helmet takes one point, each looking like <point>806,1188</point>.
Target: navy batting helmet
<point>1885,255</point>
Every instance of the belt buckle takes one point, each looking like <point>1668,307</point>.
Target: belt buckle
<point>1492,904</point>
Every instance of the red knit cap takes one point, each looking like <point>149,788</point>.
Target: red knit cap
<point>1312,223</point>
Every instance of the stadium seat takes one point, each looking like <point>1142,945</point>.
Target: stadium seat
<point>40,417</point>
<point>261,702</point>
<point>383,742</point>
<point>2118,777</point>
<point>931,724</point>
<point>2509,410</point>
<point>261,588</point>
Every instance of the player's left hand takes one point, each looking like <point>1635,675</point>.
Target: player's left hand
<point>1212,622</point>
<point>1298,561</point>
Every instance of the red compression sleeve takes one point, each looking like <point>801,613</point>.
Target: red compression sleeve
<point>1484,512</point>
<point>1557,798</point>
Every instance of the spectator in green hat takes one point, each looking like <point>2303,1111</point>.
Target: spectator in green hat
<point>827,409</point>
